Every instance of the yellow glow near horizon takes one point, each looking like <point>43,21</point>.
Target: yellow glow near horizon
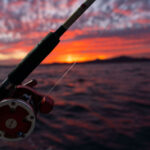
<point>15,55</point>
<point>102,57</point>
<point>70,59</point>
<point>75,58</point>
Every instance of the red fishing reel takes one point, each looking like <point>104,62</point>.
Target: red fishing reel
<point>18,112</point>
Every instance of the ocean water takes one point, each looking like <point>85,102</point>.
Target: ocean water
<point>97,107</point>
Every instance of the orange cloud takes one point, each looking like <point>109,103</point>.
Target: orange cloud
<point>123,12</point>
<point>84,49</point>
<point>93,48</point>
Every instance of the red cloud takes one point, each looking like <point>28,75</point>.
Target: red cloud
<point>108,28</point>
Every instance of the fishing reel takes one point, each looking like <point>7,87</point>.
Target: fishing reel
<point>18,112</point>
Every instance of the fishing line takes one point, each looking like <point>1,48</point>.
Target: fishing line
<point>60,79</point>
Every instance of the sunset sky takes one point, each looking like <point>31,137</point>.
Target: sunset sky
<point>109,28</point>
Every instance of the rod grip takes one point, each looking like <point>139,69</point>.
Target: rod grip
<point>33,59</point>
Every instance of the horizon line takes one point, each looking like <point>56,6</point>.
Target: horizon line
<point>88,61</point>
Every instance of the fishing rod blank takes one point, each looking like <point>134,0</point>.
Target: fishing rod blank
<point>19,104</point>
<point>44,47</point>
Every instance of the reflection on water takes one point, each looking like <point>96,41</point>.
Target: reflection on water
<point>97,107</point>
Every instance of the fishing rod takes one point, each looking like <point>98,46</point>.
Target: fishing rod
<point>19,104</point>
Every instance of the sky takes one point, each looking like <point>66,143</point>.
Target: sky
<point>109,28</point>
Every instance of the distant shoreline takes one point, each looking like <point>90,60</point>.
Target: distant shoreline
<point>121,59</point>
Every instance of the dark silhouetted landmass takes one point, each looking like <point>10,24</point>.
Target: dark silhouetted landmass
<point>120,59</point>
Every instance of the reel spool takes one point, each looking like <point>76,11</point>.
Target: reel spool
<point>18,113</point>
<point>17,119</point>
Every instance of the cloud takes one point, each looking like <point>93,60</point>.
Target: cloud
<point>126,34</point>
<point>24,22</point>
<point>14,55</point>
<point>9,37</point>
<point>44,15</point>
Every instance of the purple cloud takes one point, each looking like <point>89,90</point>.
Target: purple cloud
<point>106,18</point>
